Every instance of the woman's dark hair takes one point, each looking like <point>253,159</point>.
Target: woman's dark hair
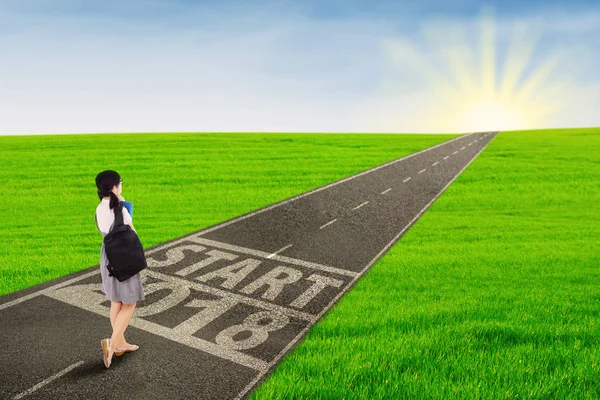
<point>105,181</point>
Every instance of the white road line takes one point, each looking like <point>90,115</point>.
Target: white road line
<point>435,163</point>
<point>406,180</point>
<point>470,144</point>
<point>462,148</point>
<point>301,334</point>
<point>385,191</point>
<point>48,380</point>
<point>330,222</point>
<point>360,205</point>
<point>279,251</point>
<point>423,170</point>
<point>447,157</point>
<point>455,152</point>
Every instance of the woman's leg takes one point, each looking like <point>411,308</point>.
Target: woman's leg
<point>123,318</point>
<point>115,307</point>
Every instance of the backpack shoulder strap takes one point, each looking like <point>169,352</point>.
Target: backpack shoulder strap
<point>118,216</point>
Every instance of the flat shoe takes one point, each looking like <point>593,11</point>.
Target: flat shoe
<point>107,352</point>
<point>119,351</point>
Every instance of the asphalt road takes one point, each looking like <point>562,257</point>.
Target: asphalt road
<point>225,304</point>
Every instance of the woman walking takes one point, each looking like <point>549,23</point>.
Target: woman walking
<point>123,295</point>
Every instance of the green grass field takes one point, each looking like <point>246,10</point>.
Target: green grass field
<point>493,293</point>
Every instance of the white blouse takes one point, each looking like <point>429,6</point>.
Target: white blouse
<point>105,216</point>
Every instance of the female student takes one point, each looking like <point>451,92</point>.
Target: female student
<point>123,295</point>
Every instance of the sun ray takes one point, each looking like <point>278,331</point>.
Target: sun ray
<point>488,53</point>
<point>452,42</point>
<point>517,58</point>
<point>538,78</point>
<point>402,52</point>
<point>548,100</point>
<point>459,61</point>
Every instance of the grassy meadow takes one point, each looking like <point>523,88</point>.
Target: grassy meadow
<point>493,293</point>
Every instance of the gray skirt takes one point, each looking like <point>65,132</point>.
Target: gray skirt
<point>129,291</point>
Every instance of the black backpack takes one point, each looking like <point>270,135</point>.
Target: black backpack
<point>123,249</point>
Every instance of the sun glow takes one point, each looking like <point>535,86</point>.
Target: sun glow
<point>465,90</point>
<point>485,114</point>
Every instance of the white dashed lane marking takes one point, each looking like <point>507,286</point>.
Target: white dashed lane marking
<point>385,191</point>
<point>360,205</point>
<point>462,148</point>
<point>435,163</point>
<point>279,251</point>
<point>406,180</point>
<point>455,152</point>
<point>445,158</point>
<point>329,223</point>
<point>423,170</point>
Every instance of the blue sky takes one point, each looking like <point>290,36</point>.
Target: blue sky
<point>275,65</point>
